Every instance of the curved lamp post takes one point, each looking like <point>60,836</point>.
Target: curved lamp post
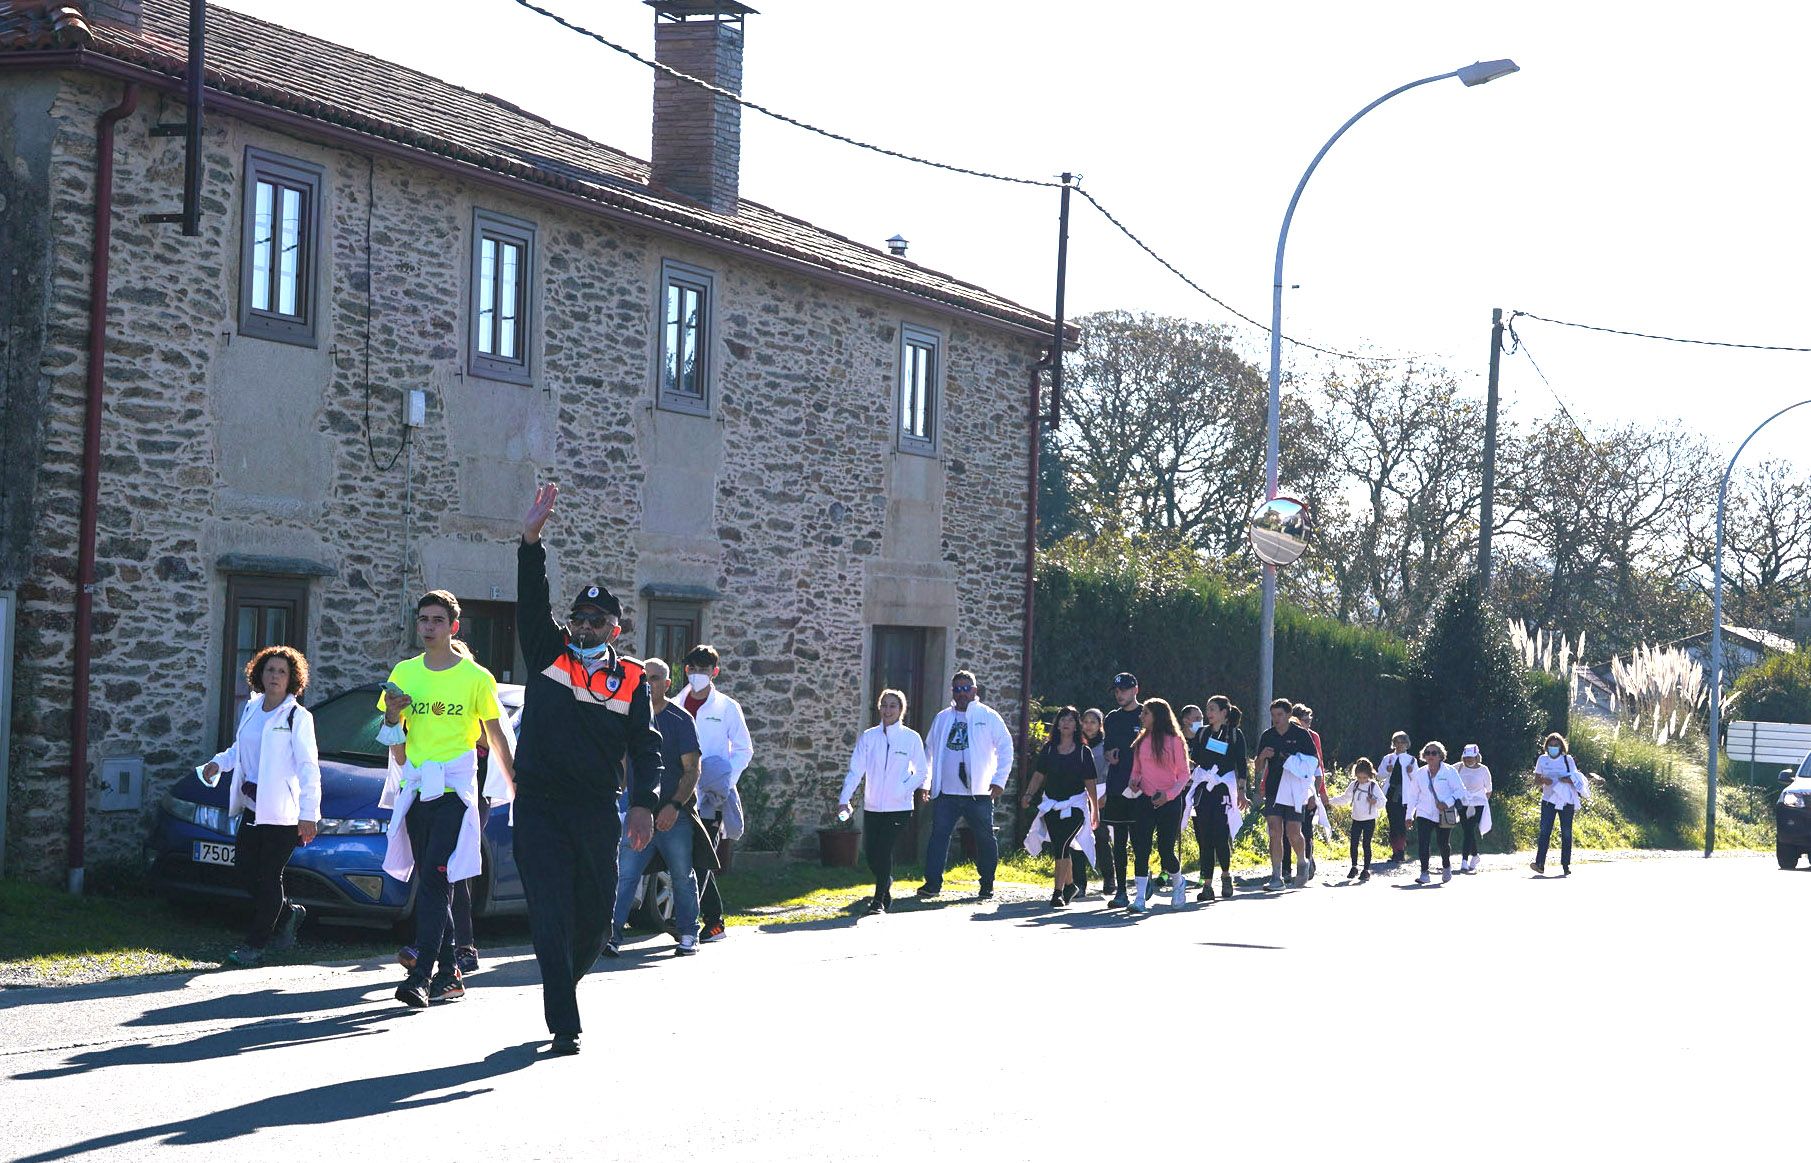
<point>1470,75</point>
<point>1714,728</point>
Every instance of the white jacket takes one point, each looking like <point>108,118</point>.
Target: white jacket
<point>1388,768</point>
<point>289,775</point>
<point>1364,806</point>
<point>1423,795</point>
<point>989,751</point>
<point>1570,788</point>
<point>890,762</point>
<point>1477,784</point>
<point>722,731</point>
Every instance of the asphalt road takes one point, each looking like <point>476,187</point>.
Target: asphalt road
<point>1645,1009</point>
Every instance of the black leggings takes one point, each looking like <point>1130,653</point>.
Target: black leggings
<point>879,836</point>
<point>1166,824</point>
<point>1211,835</point>
<point>1424,834</point>
<point>1121,835</point>
<point>1470,819</point>
<point>1362,830</point>
<point>262,851</point>
<point>1063,830</point>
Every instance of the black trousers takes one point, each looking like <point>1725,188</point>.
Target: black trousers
<point>1063,830</point>
<point>260,853</point>
<point>1425,830</point>
<point>1212,837</point>
<point>1362,830</point>
<point>1165,824</point>
<point>1399,828</point>
<point>566,854</point>
<point>433,834</point>
<point>1548,812</point>
<point>710,900</point>
<point>879,835</point>
<point>1103,859</point>
<point>1470,819</point>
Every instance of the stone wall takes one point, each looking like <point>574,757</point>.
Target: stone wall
<point>216,444</point>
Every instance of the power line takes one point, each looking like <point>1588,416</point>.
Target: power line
<point>1517,343</point>
<point>1662,338</point>
<point>775,114</point>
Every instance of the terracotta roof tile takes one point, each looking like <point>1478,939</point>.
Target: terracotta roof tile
<point>280,67</point>
<point>42,24</point>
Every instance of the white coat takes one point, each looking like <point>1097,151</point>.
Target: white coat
<point>1570,788</point>
<point>1038,834</point>
<point>289,775</point>
<point>890,764</point>
<point>456,777</point>
<point>1364,806</point>
<point>723,731</point>
<point>1207,777</point>
<point>989,755</point>
<point>1423,795</point>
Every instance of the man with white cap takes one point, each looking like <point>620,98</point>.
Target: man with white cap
<point>1474,812</point>
<point>725,751</point>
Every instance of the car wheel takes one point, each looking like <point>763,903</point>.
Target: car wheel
<point>1788,857</point>
<point>656,908</point>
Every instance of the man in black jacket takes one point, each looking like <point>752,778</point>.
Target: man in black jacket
<point>585,713</point>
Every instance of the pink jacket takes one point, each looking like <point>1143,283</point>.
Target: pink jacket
<point>1165,774</point>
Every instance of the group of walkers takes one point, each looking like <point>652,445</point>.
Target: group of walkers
<point>606,771</point>
<point>1129,782</point>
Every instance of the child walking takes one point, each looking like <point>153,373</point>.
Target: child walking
<point>1366,796</point>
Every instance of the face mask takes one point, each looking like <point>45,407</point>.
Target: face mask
<point>1553,751</point>
<point>1194,728</point>
<point>589,653</point>
<point>698,682</point>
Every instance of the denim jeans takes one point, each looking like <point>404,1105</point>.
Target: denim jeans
<point>946,809</point>
<point>675,848</point>
<point>1548,813</point>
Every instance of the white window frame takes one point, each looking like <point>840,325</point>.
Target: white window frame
<point>673,272</point>
<point>911,339</point>
<point>505,230</point>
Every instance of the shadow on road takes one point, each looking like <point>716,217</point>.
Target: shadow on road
<point>336,1102</point>
<point>276,1034</point>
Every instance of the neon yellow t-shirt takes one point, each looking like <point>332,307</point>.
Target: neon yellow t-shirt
<point>448,708</point>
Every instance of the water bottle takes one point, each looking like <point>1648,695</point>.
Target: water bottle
<point>843,813</point>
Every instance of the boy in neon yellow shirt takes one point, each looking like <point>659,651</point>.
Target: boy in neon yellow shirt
<point>446,702</point>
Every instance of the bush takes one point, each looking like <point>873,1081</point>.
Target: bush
<point>1552,697</point>
<point>1116,605</point>
<point>1470,685</point>
<point>1776,691</point>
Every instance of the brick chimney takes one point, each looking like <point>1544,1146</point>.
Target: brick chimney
<point>122,13</point>
<point>697,134</point>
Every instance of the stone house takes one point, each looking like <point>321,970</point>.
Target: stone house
<point>407,302</point>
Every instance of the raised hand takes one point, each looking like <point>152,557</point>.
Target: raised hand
<point>544,497</point>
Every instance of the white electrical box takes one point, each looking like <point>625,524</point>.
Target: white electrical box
<point>415,408</point>
<point>122,784</point>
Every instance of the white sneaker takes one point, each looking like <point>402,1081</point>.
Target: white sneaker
<point>1139,896</point>
<point>1423,879</point>
<point>688,945</point>
<point>1178,891</point>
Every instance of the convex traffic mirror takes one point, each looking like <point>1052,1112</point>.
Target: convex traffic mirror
<point>1279,530</point>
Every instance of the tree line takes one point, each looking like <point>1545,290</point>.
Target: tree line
<point>1605,531</point>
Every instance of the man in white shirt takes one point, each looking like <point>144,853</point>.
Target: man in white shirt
<point>970,749</point>
<point>725,752</point>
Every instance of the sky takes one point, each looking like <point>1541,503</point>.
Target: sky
<point>1645,170</point>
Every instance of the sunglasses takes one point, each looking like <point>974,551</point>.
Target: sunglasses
<point>962,690</point>
<point>600,620</point>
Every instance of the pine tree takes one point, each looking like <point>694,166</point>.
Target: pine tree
<point>1470,686</point>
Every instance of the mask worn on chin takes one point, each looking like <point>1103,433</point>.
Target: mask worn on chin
<point>698,682</point>
<point>589,653</point>
<point>1553,751</point>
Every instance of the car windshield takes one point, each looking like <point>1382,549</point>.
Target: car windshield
<point>345,727</point>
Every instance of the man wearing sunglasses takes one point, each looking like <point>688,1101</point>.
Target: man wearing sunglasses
<point>971,756</point>
<point>586,735</point>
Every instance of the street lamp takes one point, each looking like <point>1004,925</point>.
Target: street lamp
<point>1471,75</point>
<point>1714,728</point>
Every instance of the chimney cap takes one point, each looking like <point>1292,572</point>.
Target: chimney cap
<point>896,245</point>
<point>683,10</point>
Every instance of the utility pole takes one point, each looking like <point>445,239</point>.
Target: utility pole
<point>1062,285</point>
<point>1487,517</point>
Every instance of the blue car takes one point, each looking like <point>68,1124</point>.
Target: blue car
<point>340,875</point>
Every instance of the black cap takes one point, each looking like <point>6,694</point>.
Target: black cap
<point>1125,680</point>
<point>600,597</point>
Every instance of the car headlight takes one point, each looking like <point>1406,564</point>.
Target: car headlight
<point>361,827</point>
<point>184,810</point>
<point>1794,799</point>
<point>214,819</point>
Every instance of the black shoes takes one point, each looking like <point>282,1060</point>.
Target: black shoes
<point>448,988</point>
<point>413,993</point>
<point>986,893</point>
<point>285,937</point>
<point>565,1044</point>
<point>1206,895</point>
<point>1070,892</point>
<point>875,906</point>
<point>926,893</point>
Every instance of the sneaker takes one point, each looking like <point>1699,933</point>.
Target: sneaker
<point>1070,892</point>
<point>287,929</point>
<point>1303,877</point>
<point>564,1044</point>
<point>245,955</point>
<point>413,993</point>
<point>1539,868</point>
<point>1364,876</point>
<point>1119,901</point>
<point>1352,873</point>
<point>613,948</point>
<point>1446,874</point>
<point>1275,883</point>
<point>1565,870</point>
<point>986,893</point>
<point>713,932</point>
<point>875,906</point>
<point>1206,895</point>
<point>1056,899</point>
<point>925,892</point>
<point>467,959</point>
<point>688,945</point>
<point>447,988</point>
<point>1424,878</point>
<point>1226,886</point>
<point>407,956</point>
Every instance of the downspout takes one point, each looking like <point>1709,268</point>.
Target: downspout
<point>1035,414</point>
<point>91,482</point>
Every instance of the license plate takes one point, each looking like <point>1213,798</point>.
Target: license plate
<point>209,852</point>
